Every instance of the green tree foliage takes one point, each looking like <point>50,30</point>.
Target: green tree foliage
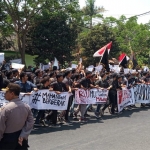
<point>52,38</point>
<point>54,32</point>
<point>131,36</point>
<point>19,15</point>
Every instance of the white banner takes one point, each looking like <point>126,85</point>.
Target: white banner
<point>45,99</point>
<point>17,66</point>
<point>92,96</point>
<point>99,68</point>
<point>42,99</point>
<point>125,98</point>
<point>142,93</point>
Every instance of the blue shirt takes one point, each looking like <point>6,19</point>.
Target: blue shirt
<point>26,87</point>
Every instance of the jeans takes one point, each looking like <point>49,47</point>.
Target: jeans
<point>54,117</point>
<point>40,115</point>
<point>72,106</point>
<point>35,112</point>
<point>113,101</point>
<point>82,109</point>
<point>87,107</point>
<point>68,108</point>
<point>98,108</point>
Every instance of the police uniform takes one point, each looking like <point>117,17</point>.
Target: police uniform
<point>16,120</point>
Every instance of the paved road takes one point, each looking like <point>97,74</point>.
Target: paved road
<point>128,131</point>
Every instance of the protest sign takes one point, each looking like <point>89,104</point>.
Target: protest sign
<point>18,61</point>
<point>25,98</point>
<point>92,96</point>
<point>126,70</point>
<point>90,68</point>
<point>125,97</point>
<point>41,66</point>
<point>17,66</point>
<point>42,99</point>
<point>80,60</point>
<point>99,68</point>
<point>73,66</point>
<point>142,93</point>
<point>44,67</point>
<point>115,68</point>
<point>1,57</point>
<point>56,63</point>
<point>45,99</point>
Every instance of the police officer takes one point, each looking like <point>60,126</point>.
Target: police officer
<point>16,121</point>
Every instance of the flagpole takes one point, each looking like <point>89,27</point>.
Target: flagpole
<point>100,61</point>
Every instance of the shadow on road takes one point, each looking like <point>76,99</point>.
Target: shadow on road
<point>75,124</point>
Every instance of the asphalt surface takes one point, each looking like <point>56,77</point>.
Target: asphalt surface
<point>127,131</point>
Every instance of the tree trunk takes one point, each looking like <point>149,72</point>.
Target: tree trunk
<point>21,45</point>
<point>23,48</point>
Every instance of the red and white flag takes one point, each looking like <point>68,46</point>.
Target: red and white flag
<point>101,51</point>
<point>121,57</point>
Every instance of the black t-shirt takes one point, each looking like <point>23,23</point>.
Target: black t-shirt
<point>103,83</point>
<point>115,86</point>
<point>59,86</point>
<point>85,82</point>
<point>43,87</point>
<point>131,81</point>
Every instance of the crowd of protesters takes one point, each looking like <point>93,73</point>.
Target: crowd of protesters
<point>69,80</point>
